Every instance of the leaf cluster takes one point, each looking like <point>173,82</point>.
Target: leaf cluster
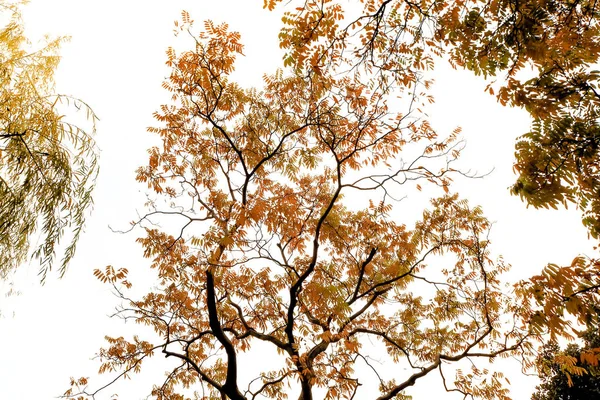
<point>572,373</point>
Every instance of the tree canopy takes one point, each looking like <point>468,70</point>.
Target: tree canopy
<point>282,225</point>
<point>583,382</point>
<point>47,164</point>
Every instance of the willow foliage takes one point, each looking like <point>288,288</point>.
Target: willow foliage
<point>47,165</point>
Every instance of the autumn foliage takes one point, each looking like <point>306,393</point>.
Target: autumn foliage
<point>538,55</point>
<point>284,218</point>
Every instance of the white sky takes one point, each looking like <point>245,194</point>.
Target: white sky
<point>115,62</point>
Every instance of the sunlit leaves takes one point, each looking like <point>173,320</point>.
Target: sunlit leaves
<point>564,290</point>
<point>111,276</point>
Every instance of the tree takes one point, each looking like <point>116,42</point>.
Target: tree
<point>47,165</point>
<point>270,249</point>
<point>559,384</point>
<point>283,231</point>
<point>538,54</point>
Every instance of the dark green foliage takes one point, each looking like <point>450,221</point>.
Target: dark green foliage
<point>560,385</point>
<point>559,162</point>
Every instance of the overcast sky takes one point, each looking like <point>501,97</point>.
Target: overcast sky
<point>115,62</point>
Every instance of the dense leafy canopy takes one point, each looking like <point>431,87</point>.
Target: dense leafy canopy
<point>47,165</point>
<point>583,382</point>
<point>282,225</point>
